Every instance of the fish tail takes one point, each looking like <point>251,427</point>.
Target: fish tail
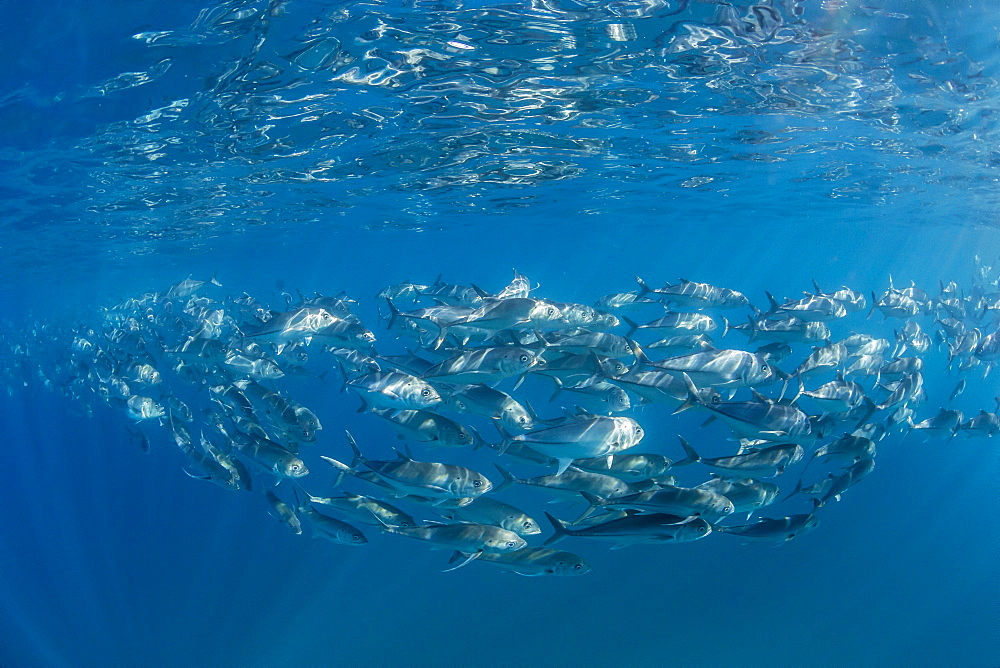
<point>393,313</point>
<point>558,527</point>
<point>772,301</point>
<point>692,398</point>
<point>358,457</point>
<point>643,288</point>
<point>508,479</point>
<point>692,456</point>
<point>798,488</point>
<point>632,326</point>
<point>558,390</point>
<point>342,469</point>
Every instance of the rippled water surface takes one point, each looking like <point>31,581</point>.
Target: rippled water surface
<point>298,145</point>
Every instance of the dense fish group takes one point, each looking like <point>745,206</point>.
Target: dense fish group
<point>806,391</point>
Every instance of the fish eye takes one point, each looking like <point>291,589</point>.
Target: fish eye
<point>461,436</point>
<point>524,358</point>
<point>628,348</point>
<point>522,420</point>
<point>527,525</point>
<point>577,566</point>
<point>511,543</point>
<point>763,367</point>
<point>477,483</point>
<point>425,392</point>
<point>701,529</point>
<point>716,400</point>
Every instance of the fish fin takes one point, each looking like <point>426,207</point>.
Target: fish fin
<point>505,435</point>
<point>693,398</point>
<point>798,488</point>
<point>709,420</point>
<point>358,457</point>
<point>773,302</point>
<point>632,325</point>
<point>559,387</point>
<point>725,325</point>
<point>474,555</point>
<point>558,527</point>
<point>563,465</point>
<point>692,456</point>
<point>595,503</point>
<point>644,289</point>
<point>508,479</point>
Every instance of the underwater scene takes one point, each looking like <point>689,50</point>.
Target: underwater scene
<point>555,333</point>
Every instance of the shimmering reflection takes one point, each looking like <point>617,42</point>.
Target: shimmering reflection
<point>253,98</point>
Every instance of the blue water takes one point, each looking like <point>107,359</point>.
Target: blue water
<point>345,146</point>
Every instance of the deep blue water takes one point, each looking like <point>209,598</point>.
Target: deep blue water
<point>345,146</point>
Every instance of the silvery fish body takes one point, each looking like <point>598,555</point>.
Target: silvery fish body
<point>602,343</point>
<point>767,462</point>
<point>826,358</point>
<point>681,345</point>
<point>574,481</point>
<point>984,424</point>
<point>945,423</point>
<point>679,323</point>
<point>144,408</point>
<point>696,295</point>
<point>365,509</point>
<point>427,427</point>
<point>582,437</point>
<point>430,480</point>
<point>636,529</point>
<point>746,494</point>
<point>537,561</point>
<point>331,528</point>
<point>394,390</point>
<point>570,368</point>
<point>894,304</point>
<point>837,396</point>
<point>631,467</point>
<point>778,530</point>
<point>811,308</point>
<point>485,365</point>
<point>789,330</point>
<point>581,315</point>
<point>660,386</point>
<point>491,403</point>
<point>622,302</point>
<point>466,538</point>
<point>487,510</point>
<point>721,368</point>
<point>764,420</point>
<point>596,396</point>
<point>297,325</point>
<point>841,483</point>
<point>847,449</point>
<point>680,501</point>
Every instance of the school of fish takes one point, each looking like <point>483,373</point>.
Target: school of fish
<point>804,398</point>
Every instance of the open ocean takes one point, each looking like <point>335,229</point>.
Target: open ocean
<point>294,147</point>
